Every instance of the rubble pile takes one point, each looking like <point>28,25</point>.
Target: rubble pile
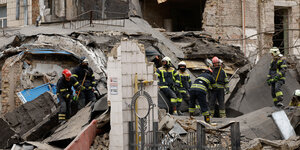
<point>200,45</point>
<point>292,143</point>
<point>101,142</point>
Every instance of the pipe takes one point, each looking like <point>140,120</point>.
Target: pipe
<point>25,13</point>
<point>259,31</point>
<point>244,25</point>
<point>17,9</point>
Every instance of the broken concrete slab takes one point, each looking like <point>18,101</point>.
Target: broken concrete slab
<point>259,143</point>
<point>166,122</point>
<point>259,124</point>
<point>43,129</point>
<point>177,130</point>
<point>6,134</point>
<point>32,145</point>
<point>232,86</point>
<point>64,134</point>
<point>258,93</point>
<point>283,123</point>
<point>30,114</point>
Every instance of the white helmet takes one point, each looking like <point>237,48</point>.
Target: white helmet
<point>275,51</point>
<point>182,63</point>
<point>297,92</point>
<point>167,59</point>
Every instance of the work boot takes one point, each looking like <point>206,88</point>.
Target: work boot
<point>192,114</point>
<point>279,104</point>
<point>207,119</point>
<point>179,113</point>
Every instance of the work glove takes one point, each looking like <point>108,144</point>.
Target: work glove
<point>270,81</point>
<point>67,96</point>
<point>277,77</point>
<point>75,97</point>
<point>80,88</point>
<point>227,90</point>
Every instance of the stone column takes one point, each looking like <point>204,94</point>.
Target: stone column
<point>124,62</point>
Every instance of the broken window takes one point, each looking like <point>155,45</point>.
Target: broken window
<point>281,34</point>
<point>3,16</point>
<point>174,15</point>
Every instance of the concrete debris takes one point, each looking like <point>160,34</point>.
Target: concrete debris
<point>25,117</point>
<point>292,143</point>
<point>16,123</point>
<point>167,123</point>
<point>43,129</point>
<point>294,116</point>
<point>188,124</point>
<point>64,134</point>
<point>177,130</point>
<point>7,134</point>
<point>31,145</point>
<point>283,124</point>
<point>200,46</point>
<point>256,94</point>
<point>259,124</point>
<point>101,142</point>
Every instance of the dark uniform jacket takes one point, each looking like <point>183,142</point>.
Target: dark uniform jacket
<point>185,80</point>
<point>167,78</point>
<point>222,81</point>
<point>277,68</point>
<point>64,87</point>
<point>203,83</point>
<point>79,73</point>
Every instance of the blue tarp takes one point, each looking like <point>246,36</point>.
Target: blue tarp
<point>31,94</point>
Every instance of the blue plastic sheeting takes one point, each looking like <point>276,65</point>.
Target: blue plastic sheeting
<point>31,94</point>
<point>47,51</point>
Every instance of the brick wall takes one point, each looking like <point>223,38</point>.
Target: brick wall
<point>10,84</point>
<point>124,62</point>
<point>224,19</point>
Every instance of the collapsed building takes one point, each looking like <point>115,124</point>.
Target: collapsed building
<point>37,56</point>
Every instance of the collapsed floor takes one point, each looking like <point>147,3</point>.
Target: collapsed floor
<point>249,91</point>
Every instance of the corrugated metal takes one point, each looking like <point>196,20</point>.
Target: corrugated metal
<point>31,94</point>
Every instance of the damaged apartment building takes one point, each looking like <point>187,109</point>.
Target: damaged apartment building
<point>253,25</point>
<point>16,13</point>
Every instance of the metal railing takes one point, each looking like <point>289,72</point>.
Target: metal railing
<point>96,17</point>
<point>202,139</point>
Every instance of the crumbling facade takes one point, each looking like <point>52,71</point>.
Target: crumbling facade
<point>253,25</point>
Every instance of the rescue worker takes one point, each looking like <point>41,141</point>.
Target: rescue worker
<point>185,83</point>
<point>276,76</point>
<point>85,76</point>
<point>169,83</point>
<point>198,92</point>
<point>221,83</point>
<point>296,99</point>
<point>65,93</point>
